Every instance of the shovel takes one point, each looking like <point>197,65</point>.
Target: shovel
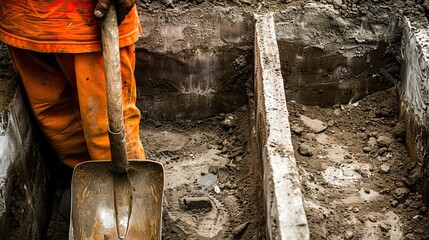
<point>117,199</point>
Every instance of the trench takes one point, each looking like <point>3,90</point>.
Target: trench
<point>307,133</point>
<point>197,114</point>
<point>347,91</point>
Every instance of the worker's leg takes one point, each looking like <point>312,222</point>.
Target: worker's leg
<point>93,103</point>
<point>53,101</point>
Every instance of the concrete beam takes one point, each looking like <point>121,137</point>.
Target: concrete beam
<point>285,216</point>
<point>414,95</point>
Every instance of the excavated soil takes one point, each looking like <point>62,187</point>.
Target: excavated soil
<point>210,160</point>
<point>213,179</point>
<point>357,180</point>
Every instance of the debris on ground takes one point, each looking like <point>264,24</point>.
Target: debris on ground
<point>359,183</point>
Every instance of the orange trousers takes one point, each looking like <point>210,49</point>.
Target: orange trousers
<point>67,95</point>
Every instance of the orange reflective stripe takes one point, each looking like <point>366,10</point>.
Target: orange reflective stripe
<point>65,26</point>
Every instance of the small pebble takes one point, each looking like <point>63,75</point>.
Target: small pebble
<point>385,168</point>
<point>394,203</point>
<point>305,150</point>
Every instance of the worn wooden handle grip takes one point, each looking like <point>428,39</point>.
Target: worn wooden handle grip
<point>112,73</point>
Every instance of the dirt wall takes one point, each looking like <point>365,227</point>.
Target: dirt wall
<point>193,64</point>
<point>328,58</point>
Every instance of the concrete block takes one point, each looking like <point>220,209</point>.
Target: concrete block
<point>285,215</point>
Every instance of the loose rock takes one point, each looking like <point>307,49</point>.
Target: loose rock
<point>305,150</point>
<point>385,168</point>
<point>372,144</point>
<point>230,121</point>
<point>384,141</point>
<point>399,131</point>
<point>349,235</point>
<point>394,203</point>
<point>297,130</point>
<point>415,175</point>
<point>384,227</point>
<point>314,125</point>
<point>401,194</point>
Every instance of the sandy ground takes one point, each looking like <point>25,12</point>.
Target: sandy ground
<point>357,179</point>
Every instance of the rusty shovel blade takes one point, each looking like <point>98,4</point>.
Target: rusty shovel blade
<point>110,205</point>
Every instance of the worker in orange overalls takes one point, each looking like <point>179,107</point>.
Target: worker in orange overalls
<point>55,46</point>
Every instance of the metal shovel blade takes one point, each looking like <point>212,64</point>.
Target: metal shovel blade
<point>109,205</point>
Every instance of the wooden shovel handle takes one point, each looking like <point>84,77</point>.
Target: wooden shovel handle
<point>112,73</point>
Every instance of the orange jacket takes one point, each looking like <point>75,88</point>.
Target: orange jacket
<point>62,26</point>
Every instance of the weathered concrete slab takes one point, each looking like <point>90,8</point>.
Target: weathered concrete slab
<point>285,214</point>
<point>414,95</point>
<point>23,186</point>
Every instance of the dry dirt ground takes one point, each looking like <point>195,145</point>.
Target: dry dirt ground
<point>213,181</point>
<point>357,180</point>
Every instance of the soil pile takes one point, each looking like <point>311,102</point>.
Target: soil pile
<point>357,180</point>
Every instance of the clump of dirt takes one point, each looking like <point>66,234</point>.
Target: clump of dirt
<point>357,179</point>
